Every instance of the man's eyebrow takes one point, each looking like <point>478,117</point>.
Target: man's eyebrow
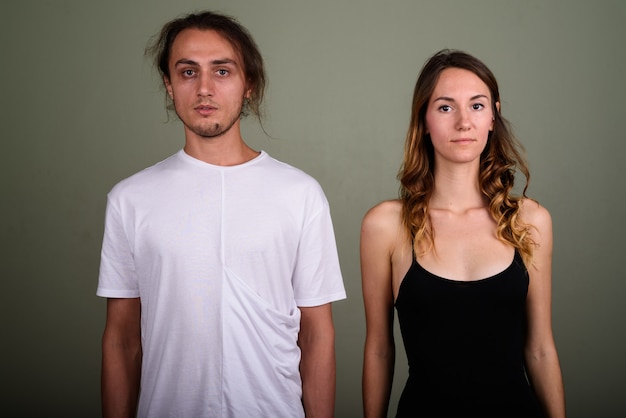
<point>222,61</point>
<point>185,61</point>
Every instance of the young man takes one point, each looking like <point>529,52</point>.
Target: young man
<point>219,263</point>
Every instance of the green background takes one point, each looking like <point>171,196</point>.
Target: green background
<point>82,109</point>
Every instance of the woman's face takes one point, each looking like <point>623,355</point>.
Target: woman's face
<point>459,116</point>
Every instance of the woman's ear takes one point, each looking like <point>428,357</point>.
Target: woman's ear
<point>493,118</point>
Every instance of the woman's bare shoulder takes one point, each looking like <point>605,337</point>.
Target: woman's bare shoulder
<point>534,214</point>
<point>383,220</point>
<point>386,214</point>
<point>539,220</point>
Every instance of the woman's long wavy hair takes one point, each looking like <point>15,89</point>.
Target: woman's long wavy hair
<point>501,158</point>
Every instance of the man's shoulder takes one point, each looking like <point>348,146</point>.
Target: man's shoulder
<point>285,182</point>
<point>147,176</point>
<point>288,173</point>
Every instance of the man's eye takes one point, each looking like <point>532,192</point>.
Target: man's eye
<point>189,73</point>
<point>222,72</point>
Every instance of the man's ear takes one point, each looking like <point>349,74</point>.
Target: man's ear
<point>168,87</point>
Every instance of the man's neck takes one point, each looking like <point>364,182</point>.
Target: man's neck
<point>225,150</point>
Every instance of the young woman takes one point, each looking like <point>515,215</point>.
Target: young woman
<point>465,262</point>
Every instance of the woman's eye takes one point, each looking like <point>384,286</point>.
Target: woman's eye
<point>445,108</point>
<point>477,106</point>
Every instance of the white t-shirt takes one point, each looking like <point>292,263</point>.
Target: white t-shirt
<point>221,258</point>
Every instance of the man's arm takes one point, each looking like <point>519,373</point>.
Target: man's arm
<point>121,358</point>
<point>317,365</point>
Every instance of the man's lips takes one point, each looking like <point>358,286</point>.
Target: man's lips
<point>205,109</point>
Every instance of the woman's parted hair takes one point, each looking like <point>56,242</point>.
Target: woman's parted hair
<point>160,48</point>
<point>501,158</point>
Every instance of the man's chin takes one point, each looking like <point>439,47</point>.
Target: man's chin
<point>208,132</point>
<point>212,131</point>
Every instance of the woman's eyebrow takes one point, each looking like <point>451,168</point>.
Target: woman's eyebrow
<point>450,99</point>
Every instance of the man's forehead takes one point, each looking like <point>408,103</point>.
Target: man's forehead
<point>203,43</point>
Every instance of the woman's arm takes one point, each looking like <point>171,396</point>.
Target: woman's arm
<point>541,356</point>
<point>121,358</point>
<point>378,234</point>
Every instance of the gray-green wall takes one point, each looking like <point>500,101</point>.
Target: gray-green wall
<point>82,109</point>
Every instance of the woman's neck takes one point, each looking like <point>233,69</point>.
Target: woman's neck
<point>457,189</point>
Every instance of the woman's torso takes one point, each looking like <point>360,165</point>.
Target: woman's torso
<point>461,308</point>
<point>464,342</point>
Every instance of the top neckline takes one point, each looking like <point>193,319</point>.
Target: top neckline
<point>188,158</point>
<point>464,282</point>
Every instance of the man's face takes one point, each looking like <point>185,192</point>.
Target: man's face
<point>207,83</point>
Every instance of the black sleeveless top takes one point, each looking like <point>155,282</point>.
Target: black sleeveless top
<point>464,342</point>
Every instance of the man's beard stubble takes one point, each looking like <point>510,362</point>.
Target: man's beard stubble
<point>214,130</point>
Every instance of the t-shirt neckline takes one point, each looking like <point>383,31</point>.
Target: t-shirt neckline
<point>188,158</point>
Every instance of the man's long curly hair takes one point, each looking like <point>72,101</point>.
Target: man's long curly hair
<point>501,158</point>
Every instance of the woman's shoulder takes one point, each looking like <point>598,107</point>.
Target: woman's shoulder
<point>387,211</point>
<point>532,213</point>
<point>384,218</point>
<point>383,231</point>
